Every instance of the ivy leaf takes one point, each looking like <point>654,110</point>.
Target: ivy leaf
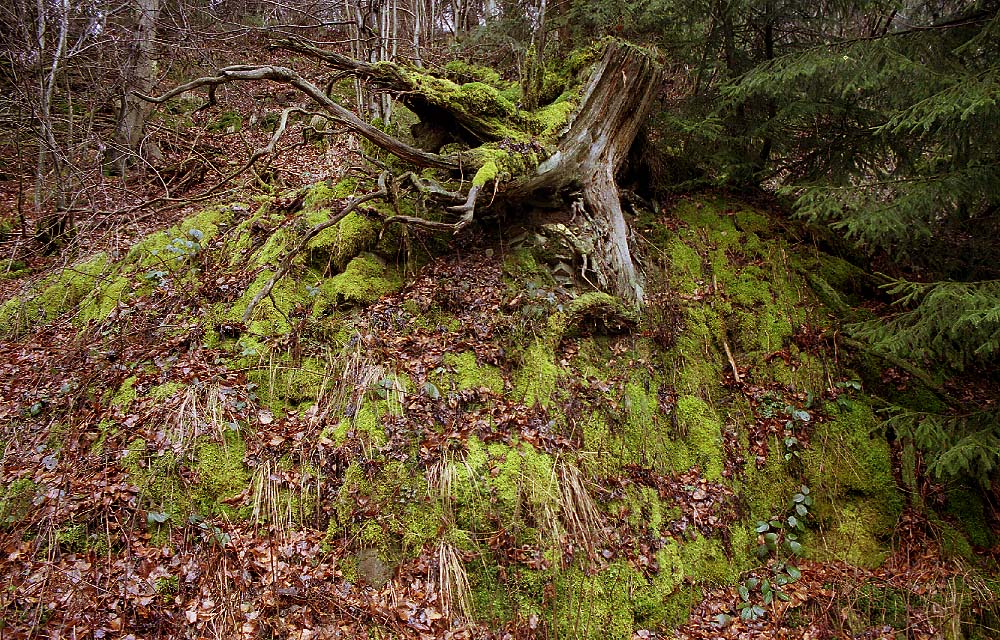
<point>431,391</point>
<point>722,620</point>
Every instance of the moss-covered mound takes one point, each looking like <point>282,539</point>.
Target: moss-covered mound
<point>487,446</point>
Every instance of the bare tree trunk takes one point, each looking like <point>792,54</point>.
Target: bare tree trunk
<point>52,225</point>
<point>130,137</point>
<point>418,16</point>
<point>615,104</point>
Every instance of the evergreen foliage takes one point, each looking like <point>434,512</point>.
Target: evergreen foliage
<point>880,120</point>
<point>952,323</point>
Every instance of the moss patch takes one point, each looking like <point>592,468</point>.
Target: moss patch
<point>365,279</point>
<point>535,381</point>
<point>52,296</point>
<point>849,469</point>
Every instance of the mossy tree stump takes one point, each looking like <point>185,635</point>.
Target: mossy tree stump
<point>561,156</point>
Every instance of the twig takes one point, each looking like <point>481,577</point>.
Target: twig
<point>732,362</point>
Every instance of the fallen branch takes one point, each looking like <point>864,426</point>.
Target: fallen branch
<point>286,261</point>
<point>287,76</point>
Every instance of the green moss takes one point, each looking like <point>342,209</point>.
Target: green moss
<point>536,379</point>
<point>125,394</point>
<point>849,469</point>
<point>166,390</point>
<point>706,561</point>
<point>408,517</point>
<point>644,509</point>
<point>158,480</point>
<point>285,383</point>
<point>841,274</point>
<point>218,474</point>
<point>685,267</point>
<point>270,316</point>
<point>332,249</point>
<point>699,367</point>
<point>227,122</point>
<point>857,534</point>
<point>167,585</point>
<point>72,538</point>
<point>153,251</point>
<point>461,71</point>
<point>483,99</point>
<point>766,491</point>
<point>52,296</point>
<point>750,221</point>
<point>617,600</point>
<point>968,510</point>
<point>486,173</point>
<point>221,474</point>
<point>102,300</point>
<point>366,423</point>
<point>554,117</point>
<point>471,375</point>
<point>704,435</point>
<point>16,501</point>
<point>365,279</point>
<point>597,312</point>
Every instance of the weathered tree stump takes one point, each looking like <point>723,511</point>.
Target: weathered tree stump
<point>570,163</point>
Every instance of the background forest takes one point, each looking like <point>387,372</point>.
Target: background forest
<point>847,154</point>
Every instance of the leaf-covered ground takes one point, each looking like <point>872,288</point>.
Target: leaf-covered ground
<point>413,438</point>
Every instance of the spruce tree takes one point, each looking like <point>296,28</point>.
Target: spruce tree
<point>893,139</point>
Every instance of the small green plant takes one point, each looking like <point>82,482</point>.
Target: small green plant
<point>778,538</point>
<point>797,419</point>
<point>844,390</point>
<point>770,405</point>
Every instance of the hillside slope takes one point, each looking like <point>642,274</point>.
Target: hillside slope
<point>418,439</point>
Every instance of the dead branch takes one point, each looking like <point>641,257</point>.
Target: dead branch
<point>431,188</point>
<point>287,76</point>
<point>286,261</point>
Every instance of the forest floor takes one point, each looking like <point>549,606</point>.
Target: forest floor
<point>271,580</point>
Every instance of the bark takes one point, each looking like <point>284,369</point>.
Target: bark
<point>615,104</point>
<point>130,137</point>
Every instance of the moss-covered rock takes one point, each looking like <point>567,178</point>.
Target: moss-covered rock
<point>365,279</point>
<point>849,469</point>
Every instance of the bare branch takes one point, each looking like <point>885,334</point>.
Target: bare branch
<point>285,75</point>
<point>468,208</point>
<point>431,188</point>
